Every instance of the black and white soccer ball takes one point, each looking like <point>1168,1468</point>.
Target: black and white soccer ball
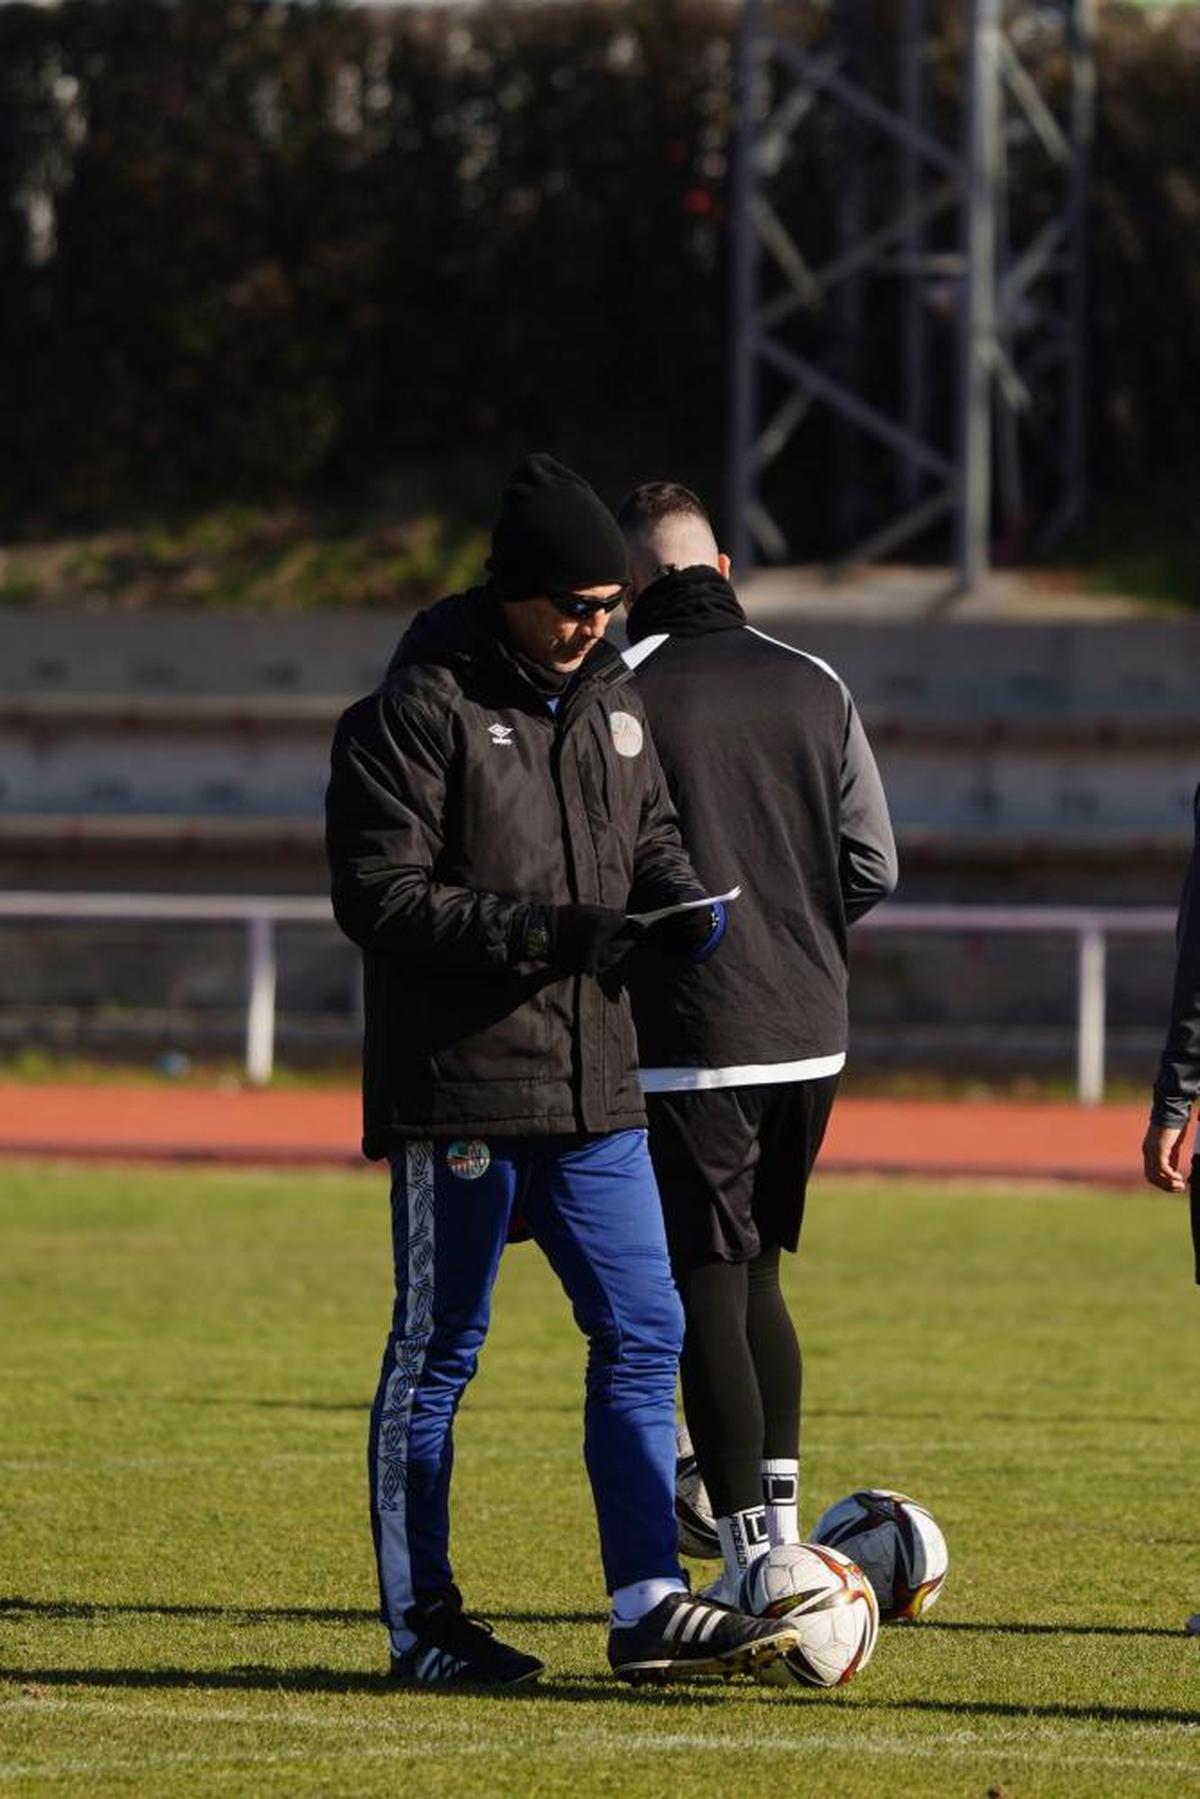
<point>693,1511</point>
<point>828,1600</point>
<point>896,1543</point>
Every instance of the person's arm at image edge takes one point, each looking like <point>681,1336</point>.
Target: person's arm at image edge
<point>1178,1081</point>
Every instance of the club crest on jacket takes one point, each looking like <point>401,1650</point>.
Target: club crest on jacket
<point>626,734</point>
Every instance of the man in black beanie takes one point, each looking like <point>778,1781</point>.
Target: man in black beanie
<point>495,812</point>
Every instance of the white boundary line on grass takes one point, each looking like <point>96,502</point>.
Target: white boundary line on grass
<point>1009,1740</point>
<point>451,1731</point>
<point>808,1746</point>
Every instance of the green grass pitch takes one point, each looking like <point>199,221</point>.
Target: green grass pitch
<point>188,1602</point>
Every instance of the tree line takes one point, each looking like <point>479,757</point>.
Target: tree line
<point>251,250</point>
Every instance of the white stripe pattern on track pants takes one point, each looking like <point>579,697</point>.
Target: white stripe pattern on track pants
<point>395,1417</point>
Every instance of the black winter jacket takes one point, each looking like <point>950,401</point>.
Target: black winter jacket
<point>456,798</point>
<point>1178,1080</point>
<point>776,788</point>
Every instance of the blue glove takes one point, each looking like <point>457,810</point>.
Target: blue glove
<point>694,934</point>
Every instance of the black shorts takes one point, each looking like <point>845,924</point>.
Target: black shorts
<point>732,1165</point>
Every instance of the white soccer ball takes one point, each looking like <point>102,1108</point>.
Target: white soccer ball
<point>829,1601</point>
<point>897,1545</point>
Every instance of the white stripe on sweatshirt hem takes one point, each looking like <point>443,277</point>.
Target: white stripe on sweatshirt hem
<point>751,1074</point>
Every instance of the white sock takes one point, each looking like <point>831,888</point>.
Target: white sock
<point>743,1539</point>
<point>641,1596</point>
<point>683,1440</point>
<point>781,1497</point>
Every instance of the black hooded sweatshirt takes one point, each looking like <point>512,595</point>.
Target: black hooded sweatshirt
<point>458,795</point>
<point>776,788</point>
<point>1178,1081</point>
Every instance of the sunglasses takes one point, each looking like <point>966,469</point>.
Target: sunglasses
<point>571,605</point>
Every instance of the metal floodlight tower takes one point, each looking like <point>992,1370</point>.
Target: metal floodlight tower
<point>978,228</point>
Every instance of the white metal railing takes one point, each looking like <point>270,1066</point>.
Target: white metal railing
<point>259,914</point>
<point>1090,926</point>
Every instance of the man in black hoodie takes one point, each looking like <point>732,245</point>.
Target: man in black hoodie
<point>495,811</point>
<point>1178,1081</point>
<point>777,789</point>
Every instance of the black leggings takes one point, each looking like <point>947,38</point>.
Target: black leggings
<point>741,1374</point>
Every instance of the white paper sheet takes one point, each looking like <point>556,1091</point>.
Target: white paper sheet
<point>646,919</point>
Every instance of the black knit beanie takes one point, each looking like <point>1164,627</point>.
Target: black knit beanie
<point>553,534</point>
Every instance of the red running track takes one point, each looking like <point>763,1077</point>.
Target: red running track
<point>319,1127</point>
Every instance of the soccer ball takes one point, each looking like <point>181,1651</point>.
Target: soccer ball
<point>897,1545</point>
<point>693,1512</point>
<point>829,1601</point>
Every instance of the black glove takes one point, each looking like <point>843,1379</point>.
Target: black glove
<point>577,939</point>
<point>695,933</point>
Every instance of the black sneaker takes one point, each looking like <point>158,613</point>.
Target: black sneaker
<point>683,1635</point>
<point>453,1646</point>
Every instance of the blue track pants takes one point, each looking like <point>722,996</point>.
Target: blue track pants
<point>592,1205</point>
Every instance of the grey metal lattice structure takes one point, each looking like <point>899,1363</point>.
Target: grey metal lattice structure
<point>979,226</point>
